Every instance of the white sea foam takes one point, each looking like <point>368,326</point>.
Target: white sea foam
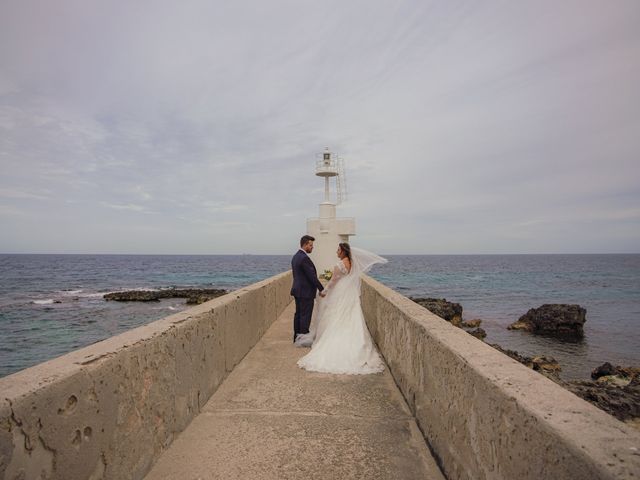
<point>93,295</point>
<point>48,301</point>
<point>71,292</point>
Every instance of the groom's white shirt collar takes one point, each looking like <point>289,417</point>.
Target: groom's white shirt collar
<point>304,252</point>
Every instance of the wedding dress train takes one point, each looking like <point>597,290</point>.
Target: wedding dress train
<point>338,335</point>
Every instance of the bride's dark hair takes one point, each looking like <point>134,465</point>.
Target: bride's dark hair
<point>346,248</point>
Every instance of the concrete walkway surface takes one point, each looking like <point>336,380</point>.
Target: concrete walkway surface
<point>272,420</point>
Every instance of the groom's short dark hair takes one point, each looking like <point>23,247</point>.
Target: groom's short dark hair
<point>305,239</point>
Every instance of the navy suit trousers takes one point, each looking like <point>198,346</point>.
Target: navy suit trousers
<point>302,317</point>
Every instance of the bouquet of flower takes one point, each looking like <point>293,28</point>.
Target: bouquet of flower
<point>326,275</point>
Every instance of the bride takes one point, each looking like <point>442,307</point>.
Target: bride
<point>339,338</point>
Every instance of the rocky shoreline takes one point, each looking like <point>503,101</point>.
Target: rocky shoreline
<point>614,389</point>
<point>194,296</point>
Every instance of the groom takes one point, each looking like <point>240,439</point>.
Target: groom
<point>305,284</point>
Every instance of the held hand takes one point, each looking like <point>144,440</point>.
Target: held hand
<point>323,294</point>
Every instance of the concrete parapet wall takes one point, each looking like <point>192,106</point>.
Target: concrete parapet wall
<point>109,410</point>
<point>486,416</point>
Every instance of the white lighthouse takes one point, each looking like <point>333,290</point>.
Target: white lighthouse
<point>327,229</point>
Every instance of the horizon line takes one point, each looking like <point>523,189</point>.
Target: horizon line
<point>287,254</point>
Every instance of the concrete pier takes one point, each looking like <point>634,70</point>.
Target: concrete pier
<point>215,392</point>
<point>273,420</point>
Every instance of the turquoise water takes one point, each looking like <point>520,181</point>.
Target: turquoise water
<point>496,288</point>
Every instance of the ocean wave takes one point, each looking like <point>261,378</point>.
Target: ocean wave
<point>48,301</point>
<point>71,292</point>
<point>93,295</point>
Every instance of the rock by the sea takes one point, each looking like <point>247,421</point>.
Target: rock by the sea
<point>614,397</point>
<point>548,366</point>
<point>193,295</point>
<point>134,296</point>
<point>607,371</point>
<point>560,320</point>
<point>477,332</point>
<point>198,299</point>
<point>450,311</point>
<point>603,370</point>
<point>471,323</point>
<point>616,390</point>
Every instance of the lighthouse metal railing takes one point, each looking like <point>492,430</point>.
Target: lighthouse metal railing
<point>327,168</point>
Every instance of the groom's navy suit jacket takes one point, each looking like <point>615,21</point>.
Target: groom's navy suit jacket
<point>305,277</point>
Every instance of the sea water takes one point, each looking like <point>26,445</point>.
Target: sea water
<point>52,304</point>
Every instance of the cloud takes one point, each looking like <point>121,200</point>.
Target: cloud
<point>452,117</point>
<point>222,207</point>
<point>129,206</point>
<point>6,210</point>
<point>20,194</point>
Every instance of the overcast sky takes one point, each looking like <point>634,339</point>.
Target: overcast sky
<point>193,127</point>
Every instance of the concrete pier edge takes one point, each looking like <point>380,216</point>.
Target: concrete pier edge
<point>486,416</point>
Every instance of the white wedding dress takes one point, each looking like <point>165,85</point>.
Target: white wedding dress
<point>338,335</point>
